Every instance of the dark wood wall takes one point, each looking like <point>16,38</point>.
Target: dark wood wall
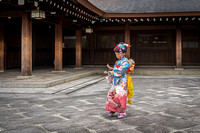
<point>69,46</point>
<point>153,47</point>
<point>87,49</point>
<point>12,31</point>
<point>88,42</point>
<point>191,47</point>
<point>43,44</point>
<point>105,41</point>
<point>158,50</point>
<point>149,47</point>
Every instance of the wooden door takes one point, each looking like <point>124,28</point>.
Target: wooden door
<point>154,48</point>
<point>105,43</point>
<point>191,47</point>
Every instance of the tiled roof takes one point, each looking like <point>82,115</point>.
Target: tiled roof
<point>146,6</point>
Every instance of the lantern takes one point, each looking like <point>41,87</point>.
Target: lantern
<point>38,14</point>
<point>89,30</point>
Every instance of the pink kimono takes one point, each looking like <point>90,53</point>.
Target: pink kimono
<point>117,95</point>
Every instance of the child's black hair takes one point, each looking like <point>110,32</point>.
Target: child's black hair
<point>123,50</point>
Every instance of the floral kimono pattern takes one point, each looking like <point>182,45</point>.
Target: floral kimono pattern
<point>117,95</point>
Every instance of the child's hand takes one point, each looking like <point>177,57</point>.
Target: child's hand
<point>106,73</point>
<point>109,67</point>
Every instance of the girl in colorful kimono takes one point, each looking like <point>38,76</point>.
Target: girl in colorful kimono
<point>117,95</point>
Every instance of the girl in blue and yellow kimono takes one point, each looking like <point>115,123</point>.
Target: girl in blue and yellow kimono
<point>117,95</point>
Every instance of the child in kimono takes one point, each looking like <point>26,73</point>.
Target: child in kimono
<point>117,95</point>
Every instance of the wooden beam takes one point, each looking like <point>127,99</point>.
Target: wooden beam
<point>127,38</point>
<point>178,47</point>
<point>78,46</point>
<point>91,7</point>
<point>139,15</point>
<point>163,27</point>
<point>137,28</point>
<point>190,27</point>
<point>2,48</point>
<point>26,48</point>
<point>110,28</point>
<point>58,46</point>
<point>11,14</point>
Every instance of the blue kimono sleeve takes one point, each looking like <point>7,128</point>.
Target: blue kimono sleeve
<point>119,70</point>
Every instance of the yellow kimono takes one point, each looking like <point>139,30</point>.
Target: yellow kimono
<point>130,82</point>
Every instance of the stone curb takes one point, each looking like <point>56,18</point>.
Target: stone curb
<point>157,73</point>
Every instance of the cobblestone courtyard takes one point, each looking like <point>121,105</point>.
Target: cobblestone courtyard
<point>160,105</point>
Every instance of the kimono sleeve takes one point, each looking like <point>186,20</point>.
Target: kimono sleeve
<point>119,70</point>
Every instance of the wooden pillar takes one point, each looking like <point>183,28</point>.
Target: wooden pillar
<point>2,48</point>
<point>78,46</point>
<point>127,38</point>
<point>58,47</point>
<point>26,45</point>
<point>178,47</point>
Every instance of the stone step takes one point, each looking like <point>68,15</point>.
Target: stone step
<point>44,84</point>
<point>79,84</point>
<point>62,88</point>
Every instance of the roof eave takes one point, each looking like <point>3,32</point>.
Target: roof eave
<point>161,14</point>
<point>101,13</point>
<point>91,7</point>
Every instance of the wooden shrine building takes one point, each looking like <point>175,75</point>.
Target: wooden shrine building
<point>56,33</point>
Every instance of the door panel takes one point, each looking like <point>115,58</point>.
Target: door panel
<point>154,48</point>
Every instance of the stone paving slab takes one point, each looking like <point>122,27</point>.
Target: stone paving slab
<point>26,130</point>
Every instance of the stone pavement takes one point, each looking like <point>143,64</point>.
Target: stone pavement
<point>161,104</point>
